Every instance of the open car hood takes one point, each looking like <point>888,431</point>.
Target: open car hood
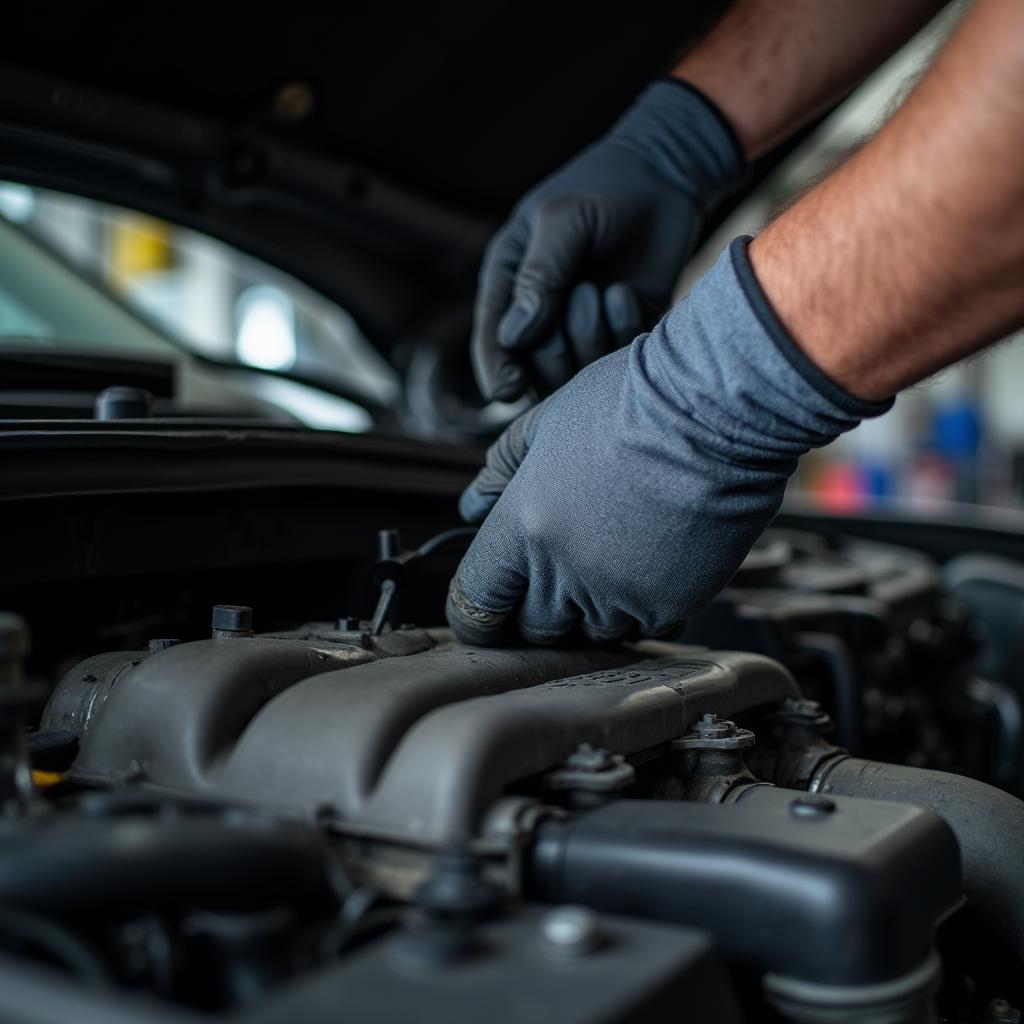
<point>370,152</point>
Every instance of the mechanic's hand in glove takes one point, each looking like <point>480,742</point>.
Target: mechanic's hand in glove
<point>590,256</point>
<point>628,499</point>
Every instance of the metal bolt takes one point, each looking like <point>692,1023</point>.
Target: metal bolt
<point>802,714</point>
<point>713,727</point>
<point>586,758</point>
<point>348,624</point>
<point>714,733</point>
<point>800,707</point>
<point>155,646</point>
<point>572,931</point>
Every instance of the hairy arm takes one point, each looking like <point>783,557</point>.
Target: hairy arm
<point>589,257</point>
<point>911,255</point>
<point>771,65</point>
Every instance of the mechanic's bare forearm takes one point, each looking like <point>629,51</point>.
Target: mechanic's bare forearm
<point>771,65</point>
<point>911,255</point>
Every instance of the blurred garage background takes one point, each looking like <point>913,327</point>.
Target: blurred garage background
<point>957,438</point>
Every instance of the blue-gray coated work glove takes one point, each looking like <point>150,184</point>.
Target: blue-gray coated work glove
<point>626,501</point>
<point>589,257</point>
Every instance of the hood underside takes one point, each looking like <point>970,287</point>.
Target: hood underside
<point>370,154</point>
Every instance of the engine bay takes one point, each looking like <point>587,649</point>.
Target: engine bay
<point>805,810</point>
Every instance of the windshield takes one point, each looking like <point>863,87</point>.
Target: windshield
<point>192,293</point>
<point>44,308</point>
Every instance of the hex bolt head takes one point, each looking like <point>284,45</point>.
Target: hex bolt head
<point>798,712</point>
<point>572,931</point>
<point>348,624</point>
<point>14,637</point>
<point>155,646</point>
<point>589,759</point>
<point>232,618</point>
<point>802,707</point>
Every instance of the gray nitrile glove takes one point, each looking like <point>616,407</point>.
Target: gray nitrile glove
<point>590,256</point>
<point>629,498</point>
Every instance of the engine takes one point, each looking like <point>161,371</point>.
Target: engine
<point>803,812</point>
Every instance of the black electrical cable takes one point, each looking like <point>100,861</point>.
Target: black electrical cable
<point>441,539</point>
<point>396,565</point>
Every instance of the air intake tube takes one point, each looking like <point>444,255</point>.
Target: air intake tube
<point>832,901</point>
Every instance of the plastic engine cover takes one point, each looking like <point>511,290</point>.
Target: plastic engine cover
<point>412,738</point>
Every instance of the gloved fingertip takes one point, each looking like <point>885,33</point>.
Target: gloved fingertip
<point>474,506</point>
<point>470,623</point>
<point>673,631</point>
<point>619,305</point>
<point>514,328</point>
<point>551,364</point>
<point>623,311</point>
<point>604,637</point>
<point>584,304</point>
<point>551,629</point>
<point>541,639</point>
<point>507,384</point>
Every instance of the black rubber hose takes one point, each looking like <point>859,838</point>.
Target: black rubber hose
<point>464,533</point>
<point>72,865</point>
<point>835,655</point>
<point>989,825</point>
<point>782,887</point>
<point>59,944</point>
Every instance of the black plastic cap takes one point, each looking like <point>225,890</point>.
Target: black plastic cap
<point>812,805</point>
<point>389,543</point>
<point>123,403</point>
<point>232,618</point>
<point>14,637</point>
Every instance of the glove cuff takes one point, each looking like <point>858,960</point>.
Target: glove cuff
<point>681,135</point>
<point>722,359</point>
<point>716,112</point>
<point>858,408</point>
